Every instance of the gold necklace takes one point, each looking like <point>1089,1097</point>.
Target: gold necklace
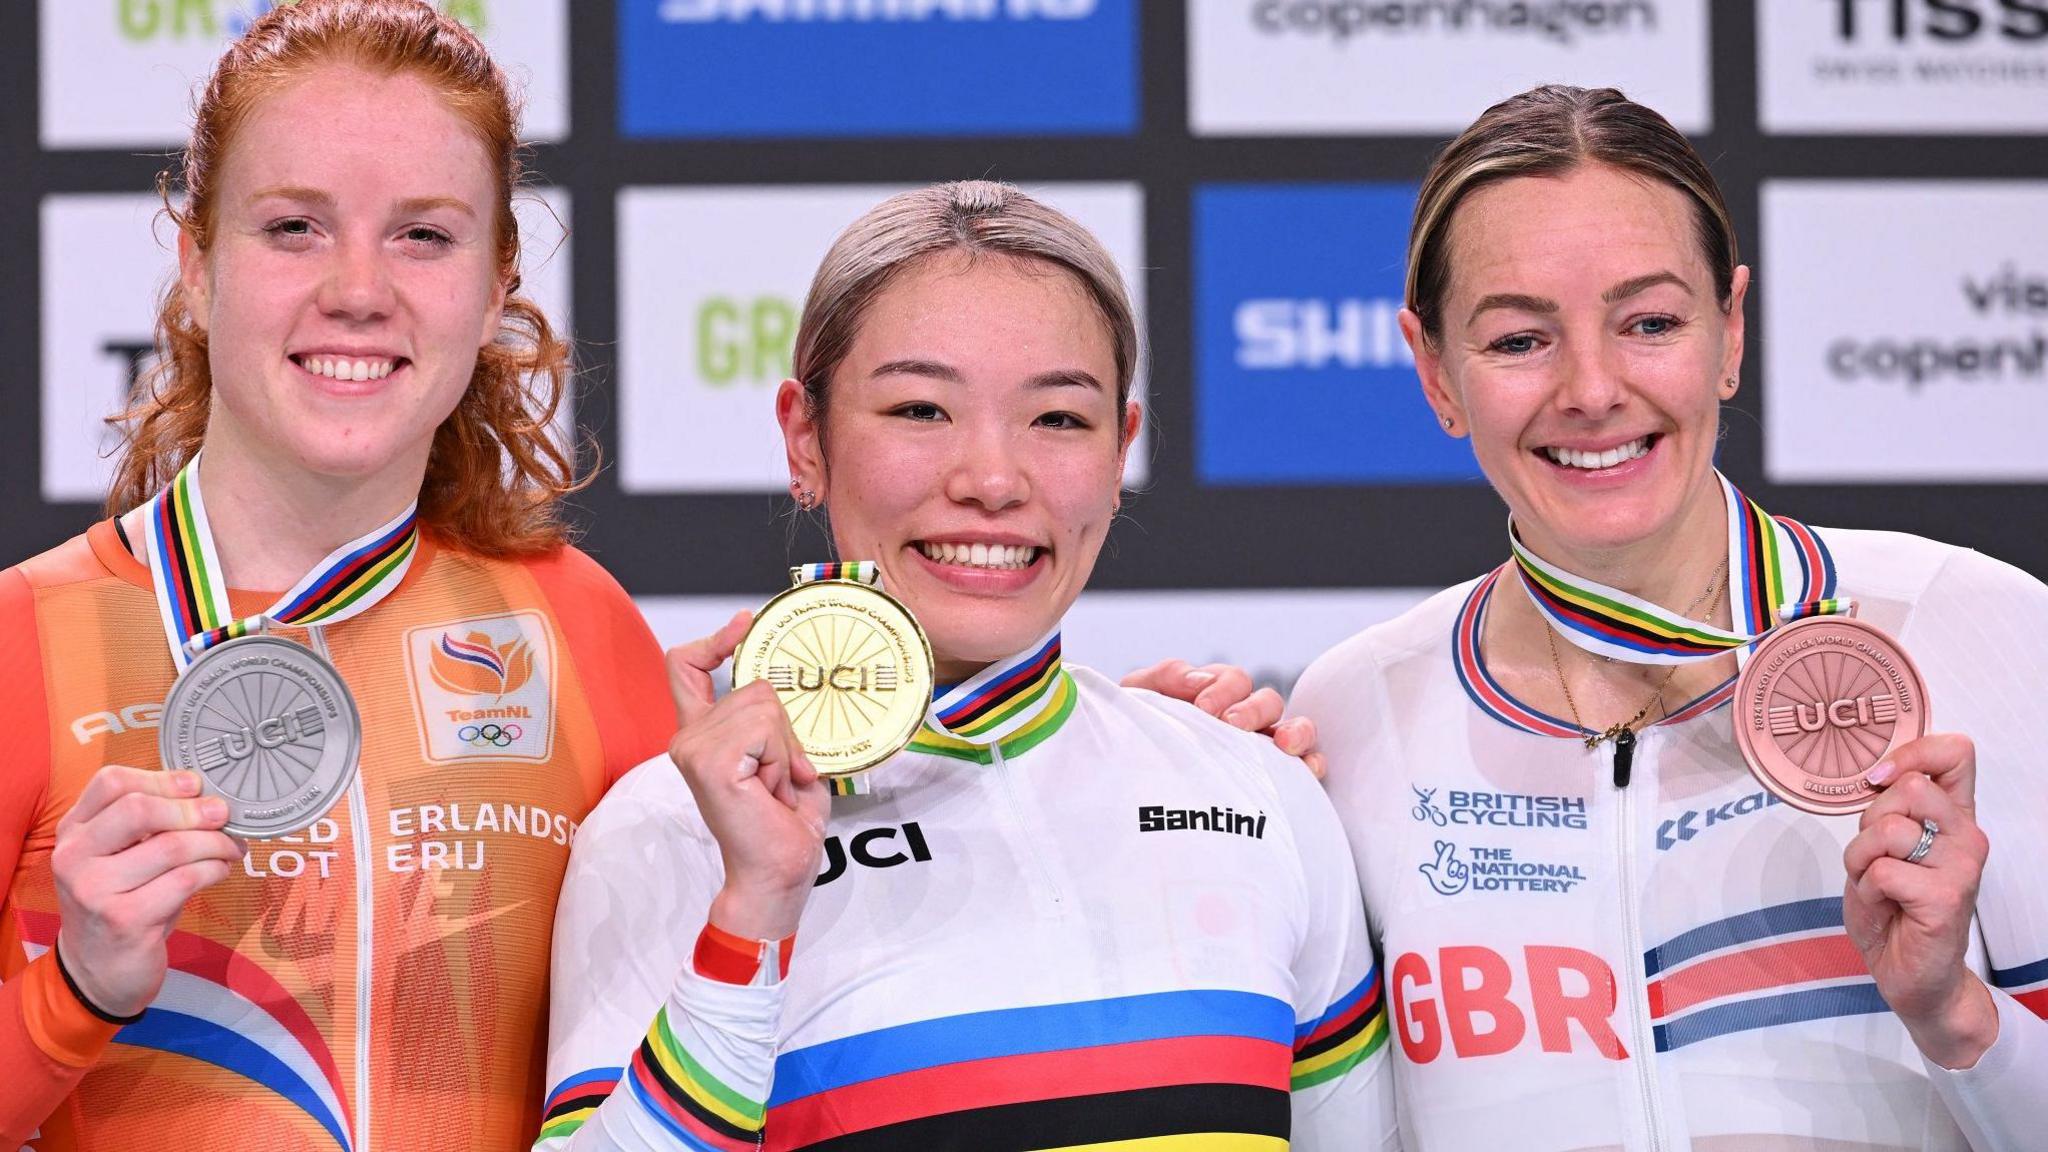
<point>1613,731</point>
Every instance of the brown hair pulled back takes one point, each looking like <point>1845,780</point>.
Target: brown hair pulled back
<point>495,473</point>
<point>973,216</point>
<point>1549,131</point>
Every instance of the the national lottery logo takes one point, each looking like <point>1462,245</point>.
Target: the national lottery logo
<point>1453,869</point>
<point>484,687</point>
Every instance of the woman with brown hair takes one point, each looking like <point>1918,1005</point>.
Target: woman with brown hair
<point>1600,929</point>
<point>354,404</point>
<point>1066,914</point>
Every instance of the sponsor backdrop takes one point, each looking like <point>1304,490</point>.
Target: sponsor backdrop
<point>1252,164</point>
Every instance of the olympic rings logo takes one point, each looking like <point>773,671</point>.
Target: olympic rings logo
<point>492,735</point>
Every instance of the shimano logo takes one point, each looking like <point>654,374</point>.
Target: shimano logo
<point>1315,333</point>
<point>864,11</point>
<point>1560,21</point>
<point>1153,818</point>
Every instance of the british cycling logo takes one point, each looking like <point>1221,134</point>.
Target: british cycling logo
<point>1497,809</point>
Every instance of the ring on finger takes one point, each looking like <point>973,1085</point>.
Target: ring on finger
<point>1928,830</point>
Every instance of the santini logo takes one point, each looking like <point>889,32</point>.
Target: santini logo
<point>1153,818</point>
<point>1558,20</point>
<point>713,11</point>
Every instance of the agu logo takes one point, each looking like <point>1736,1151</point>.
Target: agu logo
<point>877,67</point>
<point>475,665</point>
<point>484,687</point>
<point>1301,375</point>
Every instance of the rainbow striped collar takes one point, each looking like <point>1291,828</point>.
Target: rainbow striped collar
<point>1010,707</point>
<point>1817,583</point>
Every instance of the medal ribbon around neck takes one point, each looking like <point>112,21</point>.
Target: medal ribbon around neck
<point>192,595</point>
<point>1609,622</point>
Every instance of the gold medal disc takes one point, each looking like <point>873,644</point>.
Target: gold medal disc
<point>851,665</point>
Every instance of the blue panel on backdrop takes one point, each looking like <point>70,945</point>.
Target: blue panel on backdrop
<point>877,67</point>
<point>1301,376</point>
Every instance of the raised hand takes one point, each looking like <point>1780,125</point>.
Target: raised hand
<point>757,791</point>
<point>1911,919</point>
<point>129,854</point>
<point>1226,692</point>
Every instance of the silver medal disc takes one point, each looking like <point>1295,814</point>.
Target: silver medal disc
<point>270,727</point>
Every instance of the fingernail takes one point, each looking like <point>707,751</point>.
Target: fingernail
<point>1197,679</point>
<point>213,808</point>
<point>188,782</point>
<point>1232,713</point>
<point>1884,771</point>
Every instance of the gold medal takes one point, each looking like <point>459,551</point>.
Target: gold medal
<point>851,665</point>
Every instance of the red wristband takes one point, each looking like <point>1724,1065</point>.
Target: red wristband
<point>731,959</point>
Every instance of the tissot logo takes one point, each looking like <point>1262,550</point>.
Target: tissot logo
<point>1154,818</point>
<point>1949,21</point>
<point>1558,20</point>
<point>873,848</point>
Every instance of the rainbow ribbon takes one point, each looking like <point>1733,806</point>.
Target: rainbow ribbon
<point>192,595</point>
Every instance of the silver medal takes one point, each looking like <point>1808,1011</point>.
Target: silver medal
<point>270,727</point>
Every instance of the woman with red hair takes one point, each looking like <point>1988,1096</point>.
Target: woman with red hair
<point>353,403</point>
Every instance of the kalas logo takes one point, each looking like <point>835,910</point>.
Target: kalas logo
<point>1949,21</point>
<point>474,666</point>
<point>1559,20</point>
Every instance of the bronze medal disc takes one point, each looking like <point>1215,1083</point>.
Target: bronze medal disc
<point>851,666</point>
<point>1819,702</point>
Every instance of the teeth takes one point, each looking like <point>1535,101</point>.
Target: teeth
<point>979,555</point>
<point>1574,458</point>
<point>343,368</point>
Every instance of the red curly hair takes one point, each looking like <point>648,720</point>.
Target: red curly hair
<point>495,474</point>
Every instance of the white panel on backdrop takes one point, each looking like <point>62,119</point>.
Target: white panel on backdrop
<point>1906,330</point>
<point>124,73</point>
<point>1273,633</point>
<point>711,282</point>
<point>1293,67</point>
<point>1900,66</point>
<point>106,259</point>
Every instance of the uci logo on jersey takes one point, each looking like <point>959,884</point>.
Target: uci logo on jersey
<point>883,847</point>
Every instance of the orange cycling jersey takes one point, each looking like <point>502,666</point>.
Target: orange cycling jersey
<point>378,981</point>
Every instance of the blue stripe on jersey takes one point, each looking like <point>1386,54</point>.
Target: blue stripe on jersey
<point>1344,1004</point>
<point>1019,1031</point>
<point>607,1075</point>
<point>1764,1012</point>
<point>2020,976</point>
<point>1777,920</point>
<point>203,1040</point>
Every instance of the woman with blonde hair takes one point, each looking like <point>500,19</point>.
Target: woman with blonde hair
<point>1067,913</point>
<point>1600,929</point>
<point>347,449</point>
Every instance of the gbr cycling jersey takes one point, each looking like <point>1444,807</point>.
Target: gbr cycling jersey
<point>379,981</point>
<point>1104,921</point>
<point>1573,964</point>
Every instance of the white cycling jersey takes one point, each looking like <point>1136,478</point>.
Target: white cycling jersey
<point>1576,965</point>
<point>1108,921</point>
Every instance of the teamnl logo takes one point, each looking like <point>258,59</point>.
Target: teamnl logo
<point>212,19</point>
<point>484,687</point>
<point>1559,21</point>
<point>1302,375</point>
<point>2009,294</point>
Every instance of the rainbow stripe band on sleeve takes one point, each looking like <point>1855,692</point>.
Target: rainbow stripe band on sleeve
<point>575,1099</point>
<point>1340,1039</point>
<point>694,1105</point>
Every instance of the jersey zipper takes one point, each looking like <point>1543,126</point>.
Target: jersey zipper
<point>1632,944</point>
<point>366,914</point>
<point>1048,888</point>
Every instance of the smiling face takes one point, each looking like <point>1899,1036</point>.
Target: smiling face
<point>351,275</point>
<point>973,447</point>
<point>1583,350</point>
